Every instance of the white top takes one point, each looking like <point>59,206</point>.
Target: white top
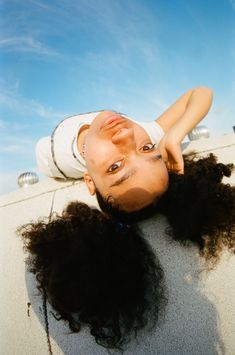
<point>58,156</point>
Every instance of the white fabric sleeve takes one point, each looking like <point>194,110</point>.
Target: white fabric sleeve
<point>154,130</point>
<point>44,158</point>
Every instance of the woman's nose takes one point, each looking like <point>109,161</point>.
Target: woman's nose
<point>123,136</point>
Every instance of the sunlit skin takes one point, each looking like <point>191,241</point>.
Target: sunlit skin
<point>123,150</point>
<point>118,148</point>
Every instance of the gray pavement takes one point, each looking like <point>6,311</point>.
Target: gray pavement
<point>200,315</point>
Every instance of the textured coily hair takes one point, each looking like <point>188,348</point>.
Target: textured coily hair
<point>199,206</point>
<point>96,272</point>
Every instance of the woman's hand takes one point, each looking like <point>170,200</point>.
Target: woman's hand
<point>178,121</point>
<point>170,150</point>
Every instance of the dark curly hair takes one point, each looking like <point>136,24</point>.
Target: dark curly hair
<point>199,206</point>
<point>96,272</point>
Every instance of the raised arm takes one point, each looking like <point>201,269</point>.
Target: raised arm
<point>187,111</point>
<point>178,121</point>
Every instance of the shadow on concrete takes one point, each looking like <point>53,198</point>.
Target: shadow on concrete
<point>190,323</point>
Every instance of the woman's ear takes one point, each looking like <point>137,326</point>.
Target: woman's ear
<point>89,183</point>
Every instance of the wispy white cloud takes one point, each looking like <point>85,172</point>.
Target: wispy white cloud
<point>128,26</point>
<point>14,126</point>
<point>131,32</point>
<point>26,44</point>
<point>2,123</point>
<point>11,143</point>
<point>11,99</point>
<point>10,148</point>
<point>42,5</point>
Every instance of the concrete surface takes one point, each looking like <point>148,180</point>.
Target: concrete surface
<point>200,315</point>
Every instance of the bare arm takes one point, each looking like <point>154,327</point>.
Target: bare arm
<point>186,112</point>
<point>178,121</point>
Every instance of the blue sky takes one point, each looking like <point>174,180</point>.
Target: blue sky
<point>65,57</point>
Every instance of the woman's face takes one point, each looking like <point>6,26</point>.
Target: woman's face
<point>122,163</point>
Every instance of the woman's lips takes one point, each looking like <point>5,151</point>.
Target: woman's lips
<point>111,121</point>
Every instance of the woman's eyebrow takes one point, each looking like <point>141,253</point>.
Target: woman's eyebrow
<point>124,177</point>
<point>133,171</point>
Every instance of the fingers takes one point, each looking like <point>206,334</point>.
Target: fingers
<point>172,157</point>
<point>177,168</point>
<point>180,171</point>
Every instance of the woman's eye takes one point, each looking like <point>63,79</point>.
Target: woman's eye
<point>114,166</point>
<point>149,146</point>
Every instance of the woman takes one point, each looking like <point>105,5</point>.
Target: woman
<point>95,267</point>
<point>97,271</point>
<point>120,158</point>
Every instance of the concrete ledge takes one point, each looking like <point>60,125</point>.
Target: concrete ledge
<point>223,147</point>
<point>200,315</point>
<point>214,144</point>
